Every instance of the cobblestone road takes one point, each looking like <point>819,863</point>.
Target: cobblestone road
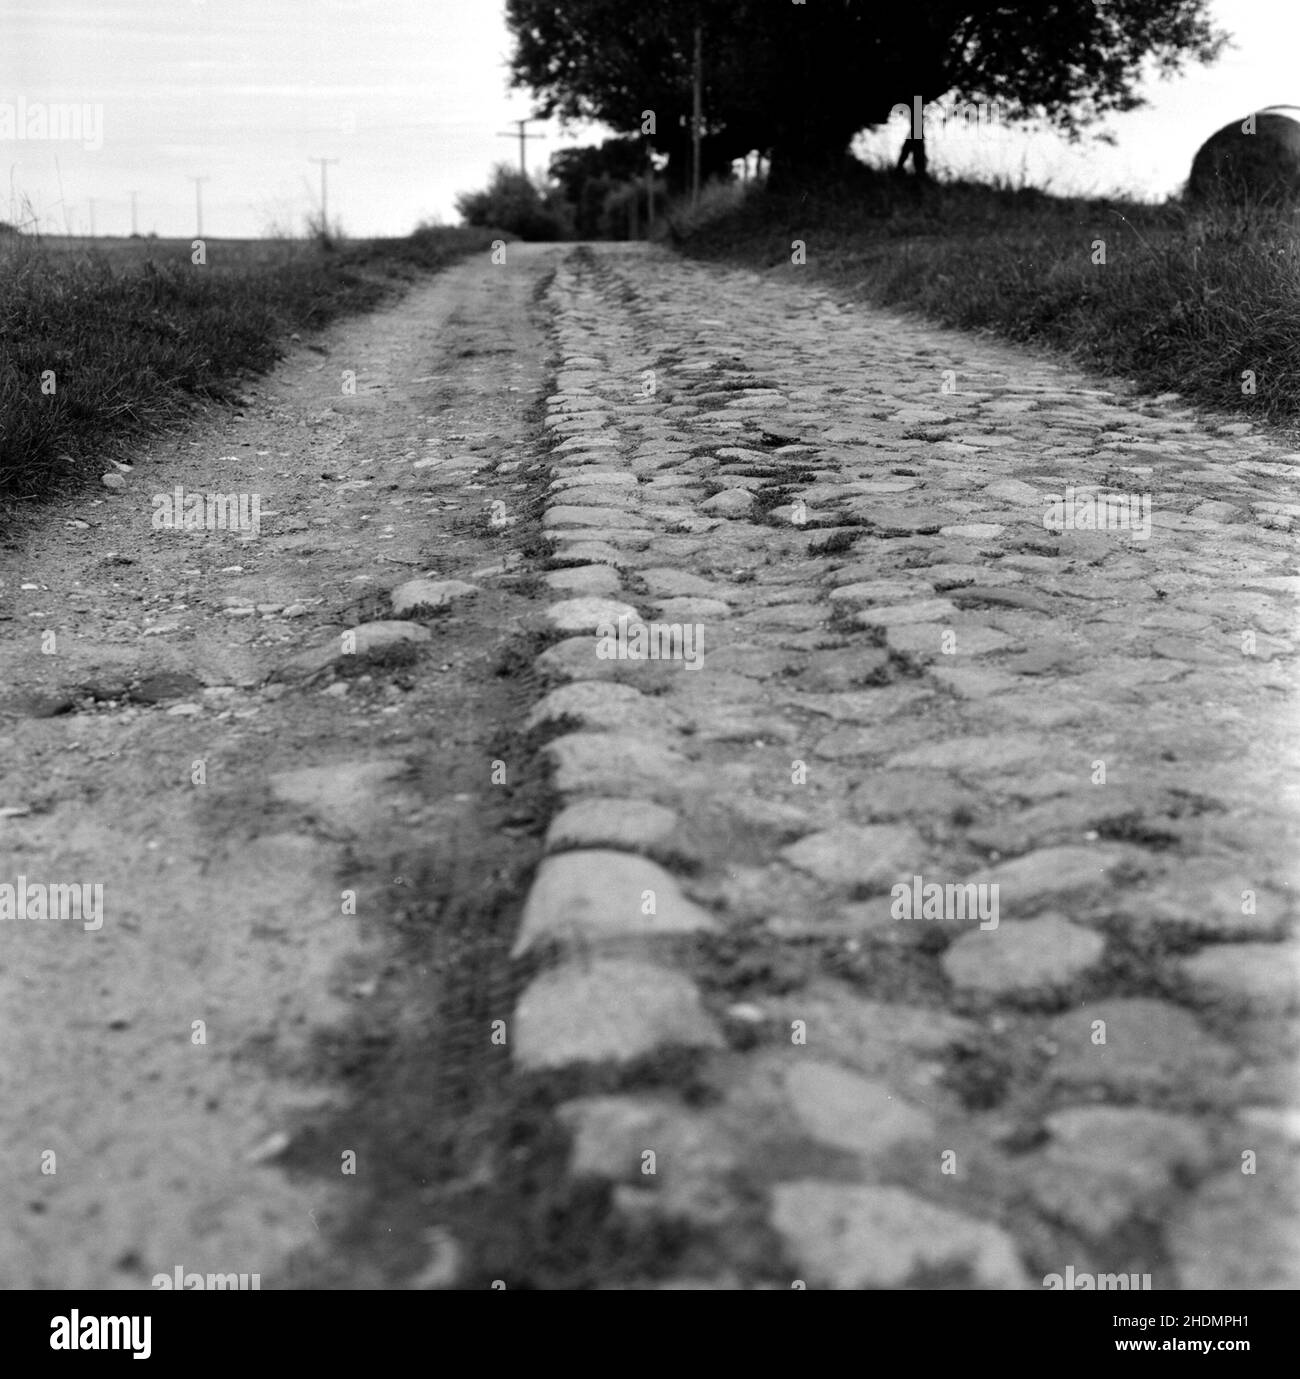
<point>957,842</point>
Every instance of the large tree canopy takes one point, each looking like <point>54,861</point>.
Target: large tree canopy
<point>800,80</point>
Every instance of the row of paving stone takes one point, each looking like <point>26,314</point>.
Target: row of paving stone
<point>896,670</point>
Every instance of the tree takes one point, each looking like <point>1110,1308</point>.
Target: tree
<point>510,202</point>
<point>800,80</point>
<point>597,185</point>
<point>617,63</point>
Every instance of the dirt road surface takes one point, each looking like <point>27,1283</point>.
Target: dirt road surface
<point>922,918</point>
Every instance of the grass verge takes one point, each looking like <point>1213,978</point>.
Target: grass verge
<point>102,346</point>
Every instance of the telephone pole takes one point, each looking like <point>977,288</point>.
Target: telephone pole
<point>198,202</point>
<point>522,137</point>
<point>91,199</point>
<point>649,189</point>
<point>324,205</point>
<point>696,118</point>
<point>134,226</point>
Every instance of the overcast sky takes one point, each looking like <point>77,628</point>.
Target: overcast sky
<point>411,97</point>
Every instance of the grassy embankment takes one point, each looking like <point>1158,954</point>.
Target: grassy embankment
<point>1183,303</point>
<point>135,336</point>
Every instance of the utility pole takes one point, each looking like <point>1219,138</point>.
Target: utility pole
<point>324,205</point>
<point>696,118</point>
<point>63,200</point>
<point>134,227</point>
<point>649,189</point>
<point>198,203</point>
<point>522,137</point>
<point>91,199</point>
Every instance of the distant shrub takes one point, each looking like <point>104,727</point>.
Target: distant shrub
<point>718,201</point>
<point>512,203</point>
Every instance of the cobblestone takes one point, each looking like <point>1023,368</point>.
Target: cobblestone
<point>682,1157</point>
<point>853,1113</point>
<point>607,1009</point>
<point>908,677</point>
<point>1135,1047</point>
<point>1022,956</point>
<point>416,594</point>
<point>594,893</point>
<point>1105,1164</point>
<point>587,614</point>
<point>1234,1235</point>
<point>850,855</point>
<point>881,1237</point>
<point>591,581</point>
<point>631,825</point>
<point>1262,975</point>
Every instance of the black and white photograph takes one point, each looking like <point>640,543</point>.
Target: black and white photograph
<point>649,646</point>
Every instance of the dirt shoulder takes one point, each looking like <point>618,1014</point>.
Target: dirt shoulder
<point>182,725</point>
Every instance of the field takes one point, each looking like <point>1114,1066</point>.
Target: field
<point>104,341</point>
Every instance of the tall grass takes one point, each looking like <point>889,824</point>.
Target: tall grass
<point>99,348</point>
<point>1202,304</point>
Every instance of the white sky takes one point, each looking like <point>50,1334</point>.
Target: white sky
<point>410,96</point>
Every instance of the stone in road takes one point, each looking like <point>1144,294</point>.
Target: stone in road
<point>968,683</point>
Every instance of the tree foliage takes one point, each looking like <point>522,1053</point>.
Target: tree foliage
<point>799,80</point>
<point>512,203</point>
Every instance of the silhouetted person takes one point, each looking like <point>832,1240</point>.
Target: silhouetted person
<point>914,149</point>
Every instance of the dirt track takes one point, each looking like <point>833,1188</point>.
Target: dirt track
<point>223,819</point>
